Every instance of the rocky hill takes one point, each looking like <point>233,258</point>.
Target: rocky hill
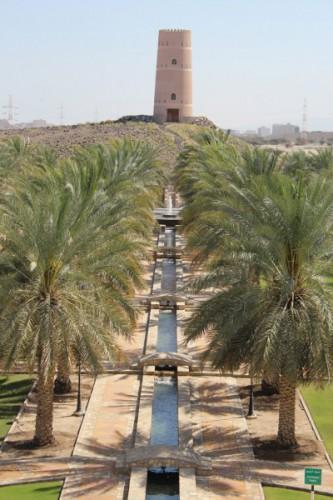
<point>168,138</point>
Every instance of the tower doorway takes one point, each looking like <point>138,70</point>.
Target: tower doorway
<point>172,115</point>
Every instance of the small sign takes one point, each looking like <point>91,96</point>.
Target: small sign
<point>312,476</point>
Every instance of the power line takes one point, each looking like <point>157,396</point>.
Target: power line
<point>10,112</point>
<point>305,117</point>
<point>61,114</point>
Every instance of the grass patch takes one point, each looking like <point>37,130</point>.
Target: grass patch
<point>284,494</point>
<point>320,404</point>
<point>13,391</point>
<point>33,491</point>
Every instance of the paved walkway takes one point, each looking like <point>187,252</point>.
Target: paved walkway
<point>220,431</point>
<point>106,430</point>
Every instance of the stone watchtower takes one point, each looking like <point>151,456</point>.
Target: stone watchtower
<point>173,88</point>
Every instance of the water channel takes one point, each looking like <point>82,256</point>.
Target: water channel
<point>167,331</point>
<point>168,276</point>
<point>169,237</point>
<point>163,483</point>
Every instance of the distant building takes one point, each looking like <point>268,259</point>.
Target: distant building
<point>38,123</point>
<point>285,131</point>
<point>173,88</point>
<point>4,125</point>
<point>264,131</point>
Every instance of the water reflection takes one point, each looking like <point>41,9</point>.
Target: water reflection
<point>168,283</point>
<point>167,331</point>
<point>170,238</point>
<point>164,429</point>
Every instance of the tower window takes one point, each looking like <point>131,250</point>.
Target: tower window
<point>173,97</point>
<point>174,61</point>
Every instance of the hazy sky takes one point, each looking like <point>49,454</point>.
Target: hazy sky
<point>254,61</point>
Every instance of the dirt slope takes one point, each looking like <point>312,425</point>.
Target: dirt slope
<point>168,138</point>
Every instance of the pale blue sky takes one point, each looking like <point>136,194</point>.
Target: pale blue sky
<point>254,61</point>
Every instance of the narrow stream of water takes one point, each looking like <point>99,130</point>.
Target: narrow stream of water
<point>163,483</point>
<point>167,331</point>
<point>170,237</point>
<point>168,282</point>
<point>164,429</point>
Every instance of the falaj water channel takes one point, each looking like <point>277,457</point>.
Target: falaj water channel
<point>169,431</point>
<point>157,426</point>
<point>163,483</point>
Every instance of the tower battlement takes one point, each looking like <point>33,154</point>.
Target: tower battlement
<point>173,87</point>
<point>177,30</point>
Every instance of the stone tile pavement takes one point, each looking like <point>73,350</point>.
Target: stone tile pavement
<point>106,430</point>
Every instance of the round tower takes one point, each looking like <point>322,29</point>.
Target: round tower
<point>173,87</point>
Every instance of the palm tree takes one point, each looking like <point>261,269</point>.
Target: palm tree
<point>306,164</point>
<point>70,262</point>
<point>15,155</point>
<point>281,323</point>
<point>131,176</point>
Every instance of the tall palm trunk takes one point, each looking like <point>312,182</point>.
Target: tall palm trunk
<point>286,432</point>
<point>63,384</point>
<point>44,418</point>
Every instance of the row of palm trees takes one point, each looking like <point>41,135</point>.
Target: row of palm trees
<point>260,226</point>
<point>74,233</point>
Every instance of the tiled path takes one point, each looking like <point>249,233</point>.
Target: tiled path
<point>107,429</point>
<point>220,431</point>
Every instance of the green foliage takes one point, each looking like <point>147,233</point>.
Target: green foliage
<point>75,233</point>
<point>320,404</point>
<point>264,242</point>
<point>306,164</point>
<point>261,230</point>
<point>13,391</point>
<point>285,494</point>
<point>75,236</point>
<point>34,491</point>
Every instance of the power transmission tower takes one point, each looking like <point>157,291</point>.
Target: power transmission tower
<point>61,114</point>
<point>10,112</point>
<point>305,119</point>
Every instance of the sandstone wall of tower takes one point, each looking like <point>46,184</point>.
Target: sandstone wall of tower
<point>173,87</point>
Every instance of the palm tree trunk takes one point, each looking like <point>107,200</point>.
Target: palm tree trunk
<point>63,384</point>
<point>286,432</point>
<point>44,418</point>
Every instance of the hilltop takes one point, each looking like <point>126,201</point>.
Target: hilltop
<point>168,138</point>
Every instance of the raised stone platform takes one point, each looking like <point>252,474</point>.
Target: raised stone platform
<point>164,456</point>
<point>157,300</point>
<point>168,217</point>
<point>165,358</point>
<point>168,252</point>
